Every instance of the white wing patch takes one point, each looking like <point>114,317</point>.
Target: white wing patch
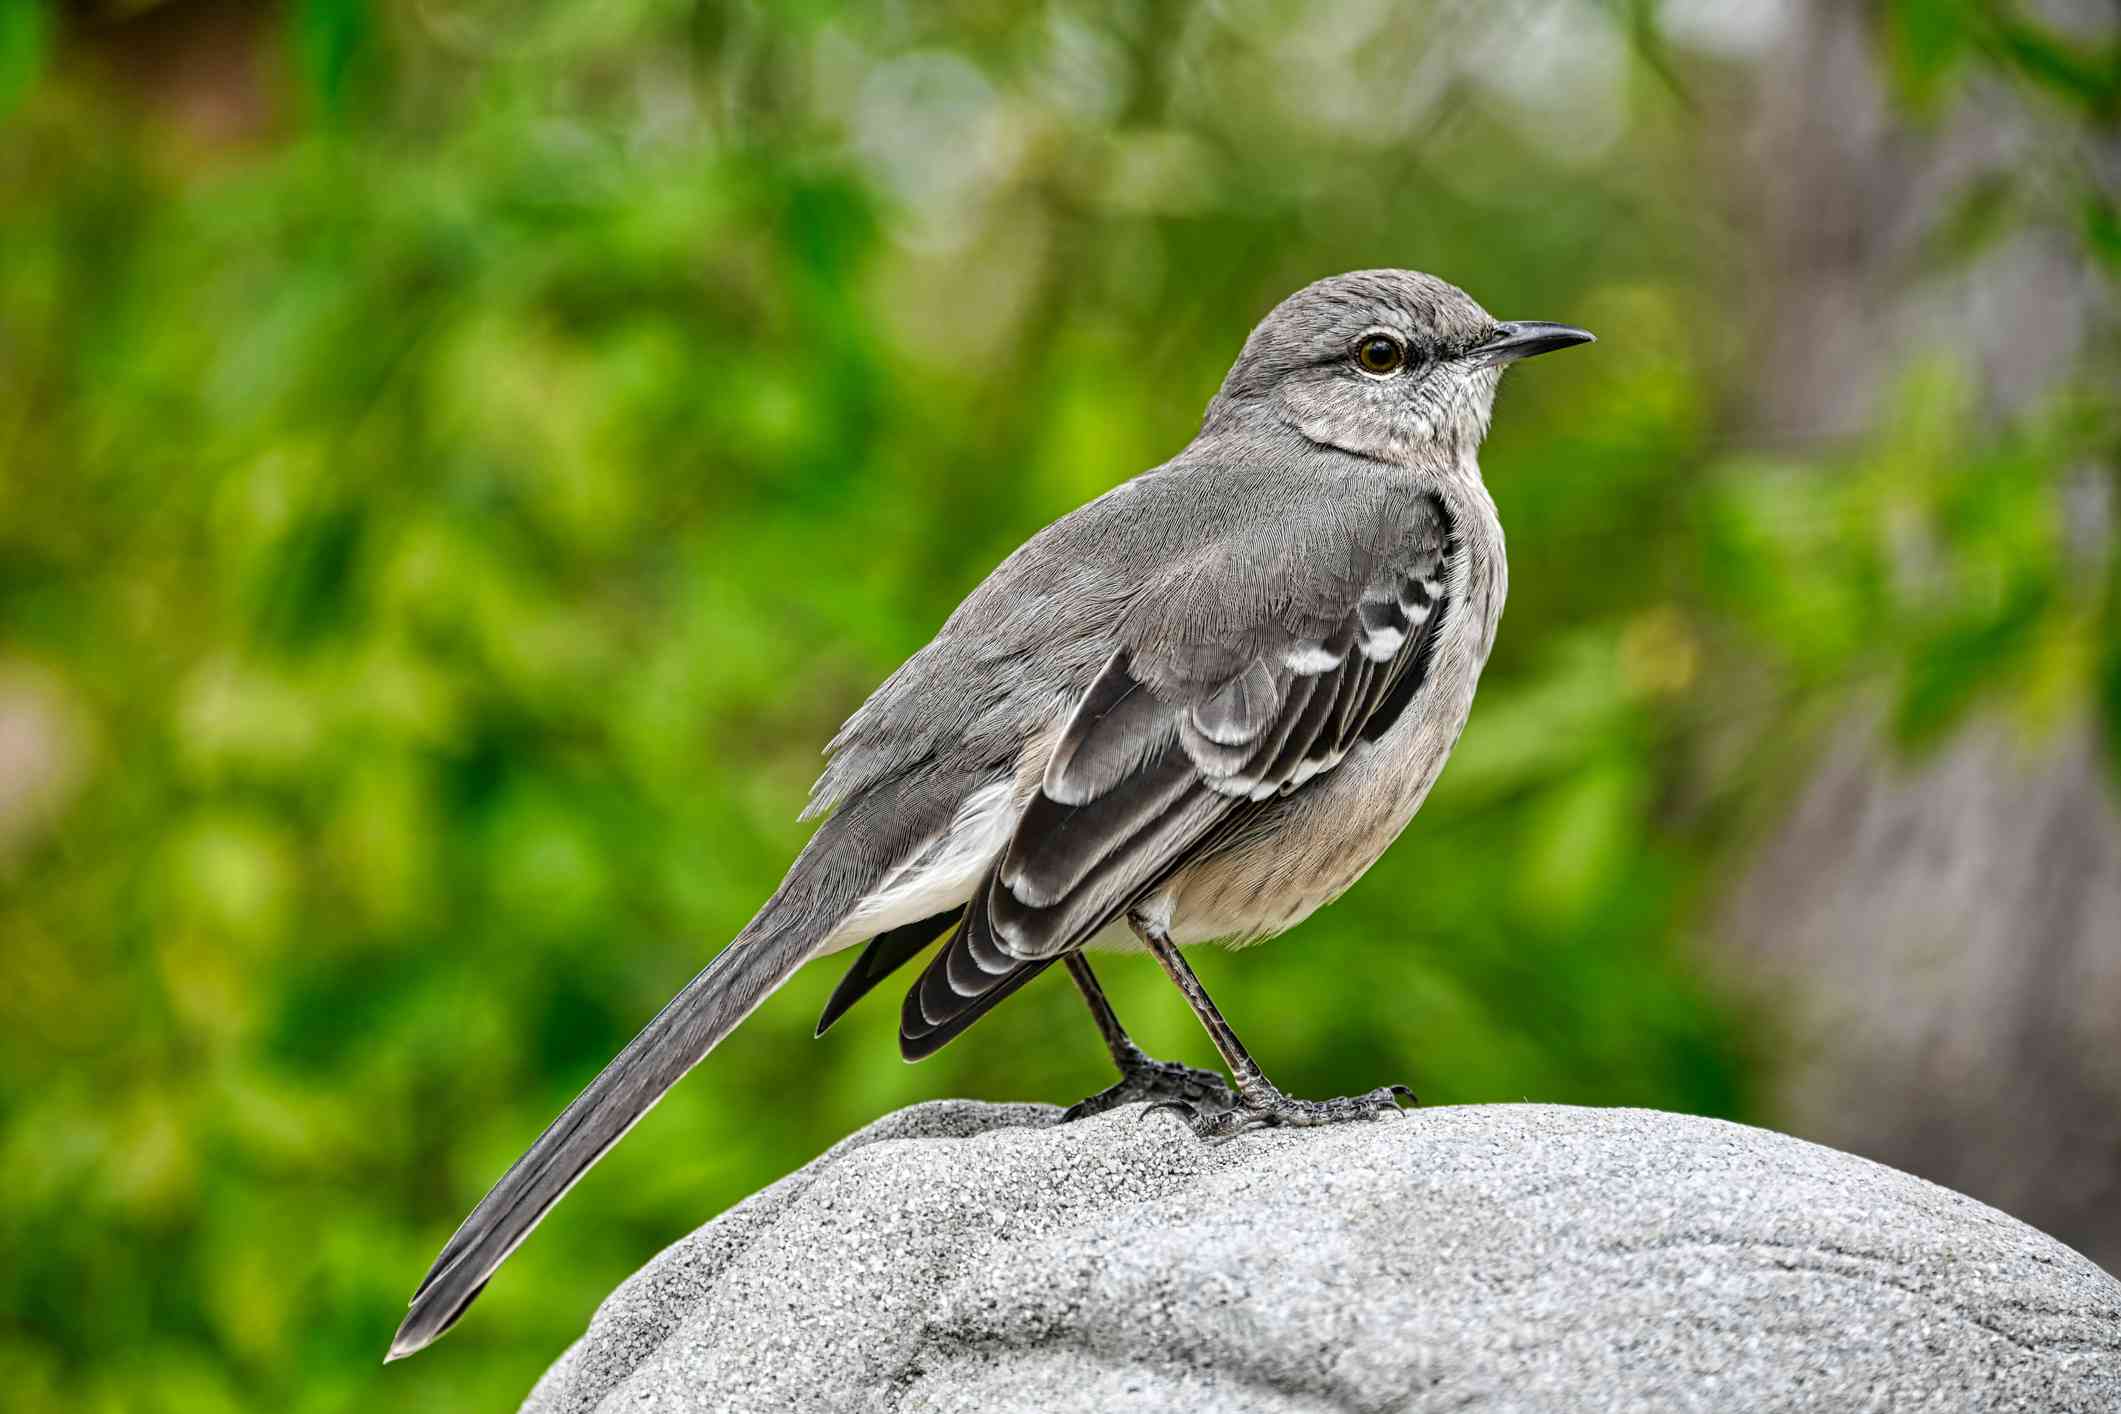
<point>1311,659</point>
<point>1380,645</point>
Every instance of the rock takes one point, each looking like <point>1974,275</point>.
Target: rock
<point>1938,940</point>
<point>970,1257</point>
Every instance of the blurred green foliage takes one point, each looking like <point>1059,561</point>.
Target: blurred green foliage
<point>458,464</point>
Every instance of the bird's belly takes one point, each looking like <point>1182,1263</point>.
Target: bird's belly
<point>1312,846</point>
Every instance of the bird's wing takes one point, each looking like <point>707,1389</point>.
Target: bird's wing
<point>1252,667</point>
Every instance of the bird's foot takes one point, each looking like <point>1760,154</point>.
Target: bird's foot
<point>1268,1108</point>
<point>1164,1082</point>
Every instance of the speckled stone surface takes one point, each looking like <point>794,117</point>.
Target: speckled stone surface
<point>969,1257</point>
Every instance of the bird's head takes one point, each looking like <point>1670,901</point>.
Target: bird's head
<point>1390,364</point>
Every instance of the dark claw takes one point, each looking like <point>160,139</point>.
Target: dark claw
<point>1184,1111</point>
<point>1167,1085</point>
<point>1275,1110</point>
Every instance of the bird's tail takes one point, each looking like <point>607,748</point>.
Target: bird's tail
<point>709,1008</point>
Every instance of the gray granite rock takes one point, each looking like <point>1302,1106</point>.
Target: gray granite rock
<point>970,1257</point>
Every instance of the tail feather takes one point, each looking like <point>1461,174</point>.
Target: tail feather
<point>962,983</point>
<point>682,1033</point>
<point>886,954</point>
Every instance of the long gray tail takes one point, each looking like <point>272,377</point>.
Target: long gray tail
<point>712,1004</point>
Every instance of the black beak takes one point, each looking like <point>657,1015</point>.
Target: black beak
<point>1523,338</point>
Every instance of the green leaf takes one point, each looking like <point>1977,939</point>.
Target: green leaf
<point>1980,216</point>
<point>2090,78</point>
<point>329,36</point>
<point>1928,40</point>
<point>2102,230</point>
<point>1947,675</point>
<point>25,42</point>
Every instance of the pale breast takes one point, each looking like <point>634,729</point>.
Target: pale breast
<point>1311,848</point>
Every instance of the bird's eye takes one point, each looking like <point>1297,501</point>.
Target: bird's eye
<point>1380,353</point>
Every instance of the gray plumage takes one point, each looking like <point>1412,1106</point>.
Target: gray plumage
<point>1201,705</point>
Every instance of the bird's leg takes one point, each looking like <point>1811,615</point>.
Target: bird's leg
<point>1260,1103</point>
<point>1140,1076</point>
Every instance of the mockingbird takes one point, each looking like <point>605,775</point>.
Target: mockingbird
<point>1195,709</point>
